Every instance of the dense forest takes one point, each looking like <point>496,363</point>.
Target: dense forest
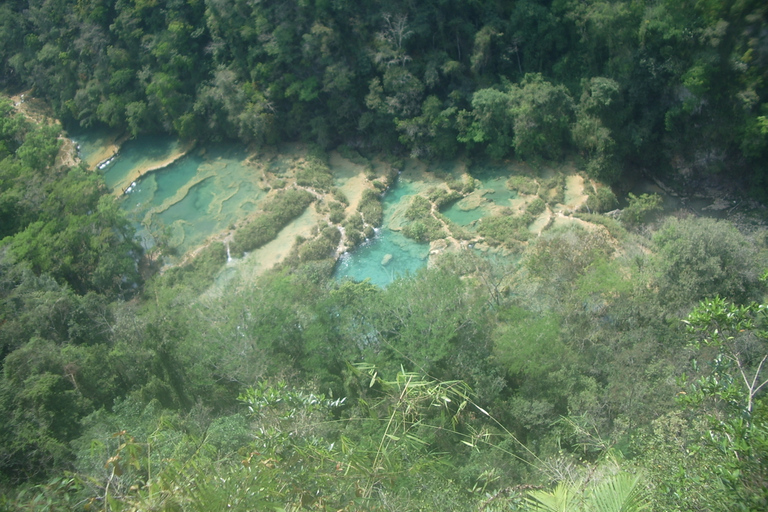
<point>616,366</point>
<point>629,85</point>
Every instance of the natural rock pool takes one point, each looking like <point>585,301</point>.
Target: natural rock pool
<point>184,196</point>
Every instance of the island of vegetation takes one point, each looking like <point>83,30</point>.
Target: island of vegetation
<point>587,348</point>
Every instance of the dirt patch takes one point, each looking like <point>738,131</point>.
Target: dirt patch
<point>39,112</point>
<point>575,195</point>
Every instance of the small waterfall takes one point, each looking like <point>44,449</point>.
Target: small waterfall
<point>229,255</point>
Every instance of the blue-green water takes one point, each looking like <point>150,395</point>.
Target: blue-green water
<point>199,195</point>
<point>135,153</point>
<point>389,254</point>
<point>494,192</point>
<point>88,142</point>
<point>207,191</point>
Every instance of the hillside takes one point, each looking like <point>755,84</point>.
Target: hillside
<point>584,346</point>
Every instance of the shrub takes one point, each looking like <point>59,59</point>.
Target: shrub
<point>442,197</point>
<point>536,207</point>
<point>322,246</point>
<point>275,215</point>
<point>370,208</point>
<point>505,229</point>
<point>701,257</point>
<point>419,208</point>
<point>523,185</point>
<point>315,173</point>
<point>641,208</point>
<point>613,226</point>
<point>424,230</point>
<point>339,196</point>
<point>198,274</point>
<point>336,212</point>
<point>602,200</point>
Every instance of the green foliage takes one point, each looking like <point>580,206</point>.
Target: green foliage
<point>529,345</point>
<point>532,118</point>
<point>354,227</point>
<point>370,208</point>
<point>559,257</point>
<point>424,226</point>
<point>641,209</point>
<point>621,492</point>
<point>730,438</point>
<point>322,247</point>
<point>700,257</point>
<point>680,81</point>
<point>613,226</point>
<point>276,214</point>
<point>441,197</point>
<point>60,222</point>
<point>597,108</point>
<point>336,215</point>
<point>430,86</point>
<point>505,229</point>
<point>425,230</point>
<point>316,174</point>
<point>602,199</point>
<point>199,273</point>
<point>419,208</point>
<point>536,207</point>
<point>542,113</point>
<point>553,190</point>
<point>523,184</point>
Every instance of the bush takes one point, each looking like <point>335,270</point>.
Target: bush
<point>339,196</point>
<point>505,229</point>
<point>419,208</point>
<point>641,208</point>
<point>354,221</point>
<point>553,190</point>
<point>536,207</point>
<point>321,247</point>
<point>602,200</point>
<point>523,185</point>
<point>337,212</point>
<point>276,214</point>
<point>424,230</point>
<point>613,226</point>
<point>701,257</point>
<point>442,197</point>
<point>352,155</point>
<point>199,273</point>
<point>370,208</point>
<point>316,174</point>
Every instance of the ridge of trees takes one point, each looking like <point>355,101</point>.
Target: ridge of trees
<point>627,84</point>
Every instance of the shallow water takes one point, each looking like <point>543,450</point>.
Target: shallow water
<point>208,190</point>
<point>389,254</point>
<point>143,152</point>
<point>196,196</point>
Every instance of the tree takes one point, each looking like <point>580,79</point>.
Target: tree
<point>700,257</point>
<point>619,492</point>
<point>542,114</point>
<point>731,393</point>
<point>592,132</point>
